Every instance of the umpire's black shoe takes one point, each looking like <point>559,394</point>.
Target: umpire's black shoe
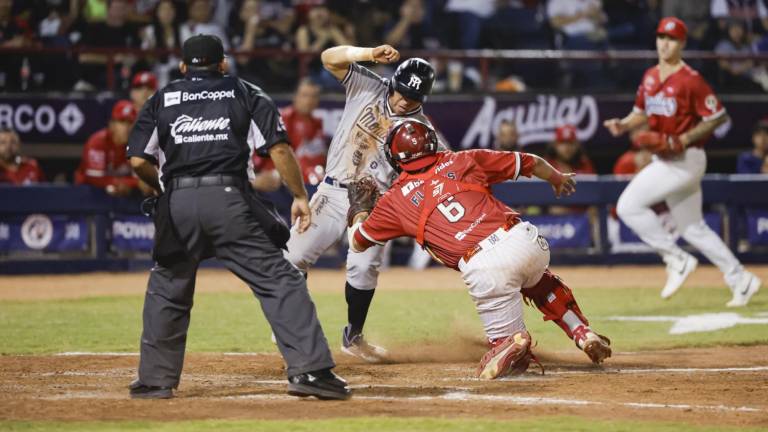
<point>140,390</point>
<point>322,384</point>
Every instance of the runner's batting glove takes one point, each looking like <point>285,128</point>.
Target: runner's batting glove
<point>362,195</point>
<point>659,143</point>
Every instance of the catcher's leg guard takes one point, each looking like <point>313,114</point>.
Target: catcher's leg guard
<point>554,299</point>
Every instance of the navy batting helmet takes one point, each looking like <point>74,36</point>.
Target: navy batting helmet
<point>413,79</point>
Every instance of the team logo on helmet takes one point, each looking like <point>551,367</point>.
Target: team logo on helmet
<point>414,82</point>
<point>669,26</point>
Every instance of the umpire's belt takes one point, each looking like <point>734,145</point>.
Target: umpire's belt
<point>211,180</point>
<point>333,182</point>
<point>511,222</point>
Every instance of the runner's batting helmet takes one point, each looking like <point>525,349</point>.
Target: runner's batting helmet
<point>413,79</point>
<point>411,145</point>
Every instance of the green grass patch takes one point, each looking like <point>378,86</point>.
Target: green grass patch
<point>377,424</point>
<point>234,321</point>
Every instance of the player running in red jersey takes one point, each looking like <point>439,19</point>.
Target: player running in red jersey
<point>443,200</point>
<point>681,112</point>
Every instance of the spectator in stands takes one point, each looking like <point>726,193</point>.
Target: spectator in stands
<point>580,25</point>
<point>15,168</point>
<point>14,32</point>
<point>114,32</point>
<point>566,153</point>
<point>471,16</point>
<point>163,33</point>
<point>737,74</point>
<point>581,22</point>
<point>694,16</point>
<point>753,13</point>
<point>104,163</point>
<point>53,21</point>
<point>143,86</point>
<point>506,136</point>
<point>199,22</point>
<point>305,131</point>
<point>752,162</point>
<point>408,32</point>
<point>371,18</point>
<point>250,29</point>
<point>316,35</point>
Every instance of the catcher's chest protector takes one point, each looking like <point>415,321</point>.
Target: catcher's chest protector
<point>437,189</point>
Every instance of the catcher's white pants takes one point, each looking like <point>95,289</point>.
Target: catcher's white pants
<point>508,262</point>
<point>329,225</point>
<point>678,182</point>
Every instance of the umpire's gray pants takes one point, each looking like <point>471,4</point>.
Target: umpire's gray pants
<point>217,219</point>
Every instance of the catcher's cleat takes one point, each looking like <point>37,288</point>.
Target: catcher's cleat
<point>748,285</point>
<point>508,356</point>
<point>355,345</point>
<point>139,390</point>
<point>678,270</point>
<point>597,347</point>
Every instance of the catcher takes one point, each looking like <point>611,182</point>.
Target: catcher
<point>443,200</point>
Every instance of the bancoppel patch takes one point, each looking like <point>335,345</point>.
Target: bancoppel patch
<point>172,98</point>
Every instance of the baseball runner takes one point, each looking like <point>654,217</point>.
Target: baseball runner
<point>681,112</point>
<point>443,200</point>
<point>372,104</point>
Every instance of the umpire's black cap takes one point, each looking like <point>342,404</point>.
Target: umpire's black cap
<point>203,50</point>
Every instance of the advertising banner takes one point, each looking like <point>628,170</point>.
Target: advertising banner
<point>466,122</point>
<point>46,233</point>
<point>566,231</point>
<point>132,233</point>
<point>757,227</point>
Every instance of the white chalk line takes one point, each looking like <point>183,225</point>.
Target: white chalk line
<point>628,371</point>
<point>460,396</point>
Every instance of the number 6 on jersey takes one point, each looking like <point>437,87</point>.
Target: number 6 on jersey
<point>453,211</point>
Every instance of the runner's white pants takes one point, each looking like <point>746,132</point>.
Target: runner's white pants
<point>678,182</point>
<point>329,225</point>
<point>509,261</point>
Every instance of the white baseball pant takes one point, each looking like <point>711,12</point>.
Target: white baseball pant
<point>329,225</point>
<point>508,262</point>
<point>678,182</point>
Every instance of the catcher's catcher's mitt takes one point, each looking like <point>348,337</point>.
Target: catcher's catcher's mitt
<point>362,195</point>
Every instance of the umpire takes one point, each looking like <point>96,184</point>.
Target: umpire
<point>201,132</point>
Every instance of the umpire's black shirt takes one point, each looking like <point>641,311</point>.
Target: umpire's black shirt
<point>204,124</point>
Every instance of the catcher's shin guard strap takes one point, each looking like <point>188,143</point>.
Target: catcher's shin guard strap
<point>553,298</point>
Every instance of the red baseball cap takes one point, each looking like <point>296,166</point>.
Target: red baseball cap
<point>124,111</point>
<point>565,133</point>
<point>144,79</point>
<point>673,27</point>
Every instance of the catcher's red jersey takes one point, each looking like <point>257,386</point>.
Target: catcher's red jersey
<point>462,217</point>
<point>679,103</point>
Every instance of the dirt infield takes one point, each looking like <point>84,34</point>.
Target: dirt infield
<point>699,386</point>
<point>708,386</point>
<point>43,287</point>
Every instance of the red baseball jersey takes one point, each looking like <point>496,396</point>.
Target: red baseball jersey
<point>24,171</point>
<point>462,217</point>
<point>679,103</point>
<point>307,139</point>
<point>104,163</point>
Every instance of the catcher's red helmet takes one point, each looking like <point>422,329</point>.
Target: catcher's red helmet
<point>411,145</point>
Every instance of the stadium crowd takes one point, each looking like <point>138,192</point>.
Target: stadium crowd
<point>724,26</point>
